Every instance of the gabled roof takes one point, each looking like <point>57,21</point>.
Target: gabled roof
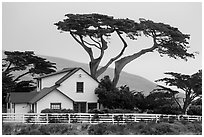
<point>34,96</point>
<point>22,97</point>
<point>69,71</point>
<point>58,72</point>
<point>42,93</point>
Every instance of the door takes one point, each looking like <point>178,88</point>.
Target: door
<point>80,107</point>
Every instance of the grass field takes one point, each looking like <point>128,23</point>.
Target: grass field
<point>141,128</point>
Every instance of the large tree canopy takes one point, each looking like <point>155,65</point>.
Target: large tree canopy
<point>91,31</point>
<point>190,84</point>
<point>17,65</point>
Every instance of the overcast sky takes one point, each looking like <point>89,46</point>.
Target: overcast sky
<point>29,26</point>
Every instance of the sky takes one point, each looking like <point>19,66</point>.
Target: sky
<point>30,26</point>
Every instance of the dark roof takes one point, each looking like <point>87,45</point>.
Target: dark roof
<point>58,72</point>
<point>22,97</point>
<point>32,97</point>
<point>42,93</point>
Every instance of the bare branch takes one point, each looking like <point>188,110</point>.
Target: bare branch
<point>8,67</point>
<point>95,41</point>
<point>90,44</point>
<point>21,76</point>
<point>87,49</point>
<point>103,69</point>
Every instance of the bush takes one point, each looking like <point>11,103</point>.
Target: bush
<point>163,128</point>
<point>6,129</point>
<point>140,128</point>
<point>195,110</point>
<point>98,129</point>
<point>106,110</point>
<point>47,110</point>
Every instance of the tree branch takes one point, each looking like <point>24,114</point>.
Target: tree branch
<point>21,76</point>
<point>177,102</point>
<point>87,49</point>
<point>119,65</point>
<point>8,67</point>
<point>103,69</point>
<point>95,41</point>
<point>90,44</point>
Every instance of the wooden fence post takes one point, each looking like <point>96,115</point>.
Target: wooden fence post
<point>178,117</point>
<point>47,118</point>
<point>135,118</point>
<point>123,118</point>
<point>69,118</point>
<point>156,119</point>
<point>90,118</point>
<point>23,119</point>
<point>112,118</point>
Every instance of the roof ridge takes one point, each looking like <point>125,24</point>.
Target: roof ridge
<point>66,76</point>
<point>57,72</point>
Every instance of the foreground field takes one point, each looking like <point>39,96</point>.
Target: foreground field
<point>141,128</point>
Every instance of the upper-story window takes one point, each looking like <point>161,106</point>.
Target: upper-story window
<point>80,87</point>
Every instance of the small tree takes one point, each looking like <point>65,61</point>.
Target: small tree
<point>190,84</point>
<point>195,108</point>
<point>112,97</point>
<point>161,102</point>
<point>22,64</point>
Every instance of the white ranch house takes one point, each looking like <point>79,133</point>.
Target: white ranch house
<point>70,88</point>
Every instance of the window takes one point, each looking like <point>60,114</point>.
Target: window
<point>55,105</point>
<point>92,106</point>
<point>80,87</point>
<point>8,104</point>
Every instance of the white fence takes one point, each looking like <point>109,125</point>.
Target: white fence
<point>44,118</point>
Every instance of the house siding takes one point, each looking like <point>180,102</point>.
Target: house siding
<point>68,87</point>
<point>50,81</point>
<point>54,97</point>
<point>22,108</point>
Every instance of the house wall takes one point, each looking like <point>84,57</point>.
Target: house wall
<point>50,81</point>
<point>54,97</point>
<point>68,87</point>
<point>22,108</point>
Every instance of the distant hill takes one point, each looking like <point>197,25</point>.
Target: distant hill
<point>135,82</point>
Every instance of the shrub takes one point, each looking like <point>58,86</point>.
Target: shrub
<point>98,129</point>
<point>95,111</point>
<point>6,129</point>
<point>106,110</point>
<point>56,129</point>
<point>195,110</point>
<point>162,128</point>
<point>47,110</point>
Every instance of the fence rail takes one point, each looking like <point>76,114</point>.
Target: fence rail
<point>44,118</point>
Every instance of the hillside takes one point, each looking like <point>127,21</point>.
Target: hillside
<point>135,82</point>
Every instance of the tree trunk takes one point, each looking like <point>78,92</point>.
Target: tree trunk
<point>186,104</point>
<point>120,64</point>
<point>93,65</point>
